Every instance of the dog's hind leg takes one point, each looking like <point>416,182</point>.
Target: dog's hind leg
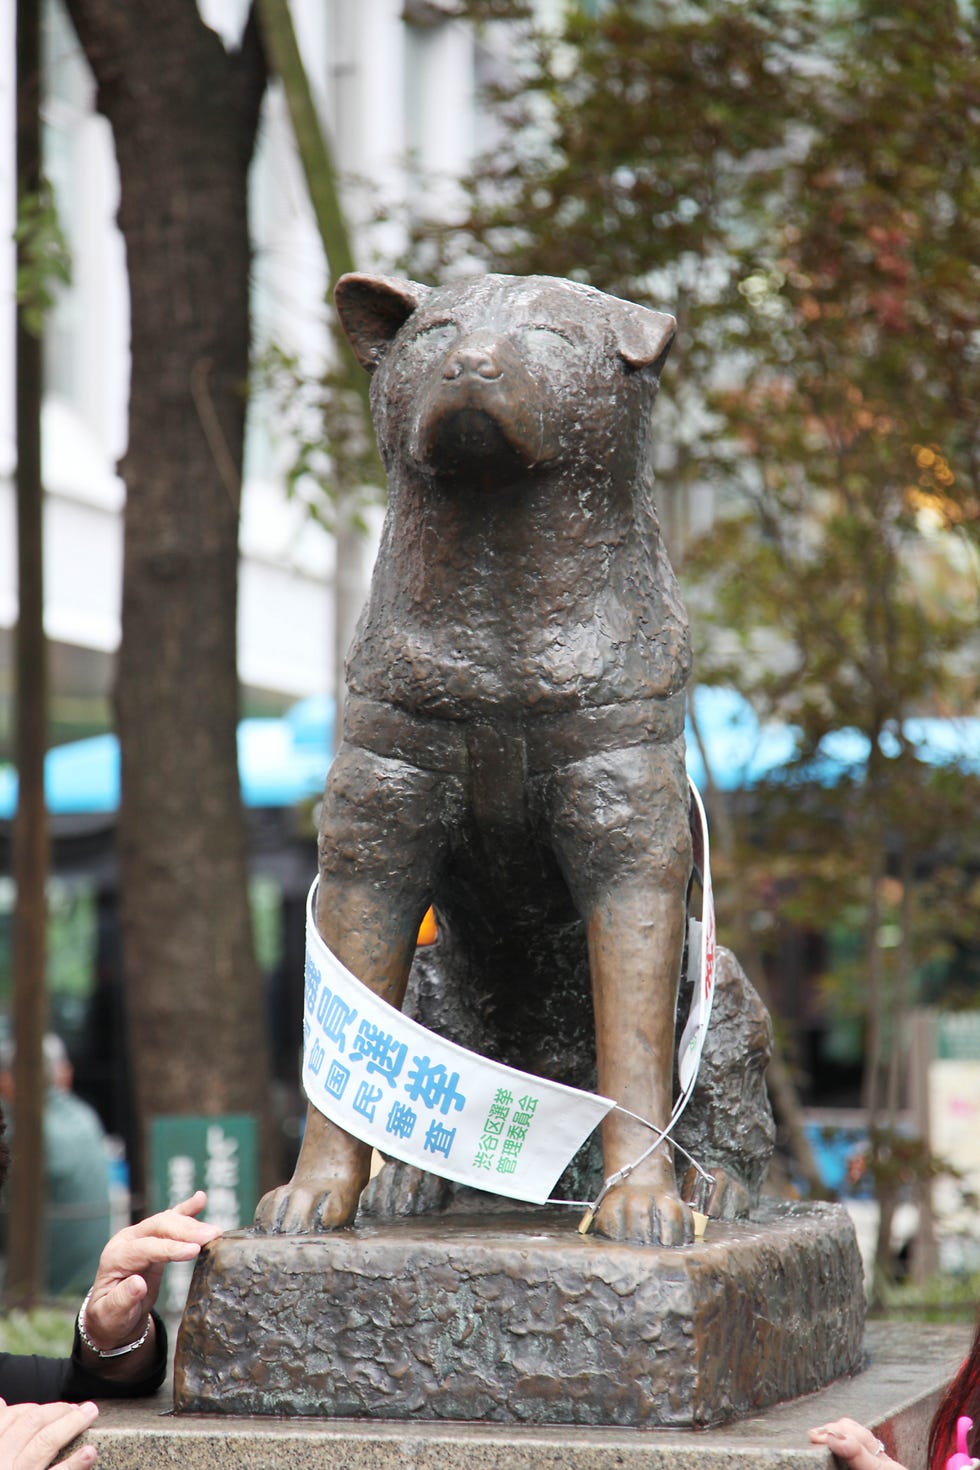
<point>382,834</point>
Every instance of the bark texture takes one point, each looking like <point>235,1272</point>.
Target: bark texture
<point>183,113</point>
<point>23,1282</point>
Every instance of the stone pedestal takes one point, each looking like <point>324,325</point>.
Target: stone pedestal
<point>519,1320</point>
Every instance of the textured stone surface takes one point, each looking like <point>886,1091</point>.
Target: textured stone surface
<point>520,1320</point>
<point>896,1393</point>
<point>728,1125</point>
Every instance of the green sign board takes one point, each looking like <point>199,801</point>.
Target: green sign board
<point>215,1154</point>
<point>958,1036</point>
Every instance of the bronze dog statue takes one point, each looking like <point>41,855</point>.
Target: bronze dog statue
<point>513,745</point>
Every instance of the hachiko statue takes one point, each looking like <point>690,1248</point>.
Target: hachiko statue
<point>513,744</point>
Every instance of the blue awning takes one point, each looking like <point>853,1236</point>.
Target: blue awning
<point>280,762</point>
<point>742,750</point>
<point>283,761</point>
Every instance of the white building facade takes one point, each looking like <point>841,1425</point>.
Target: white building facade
<point>397,86</point>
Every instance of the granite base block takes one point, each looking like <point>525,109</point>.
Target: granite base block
<point>519,1320</point>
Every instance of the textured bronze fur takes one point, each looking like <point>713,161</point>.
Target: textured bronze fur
<point>513,737</point>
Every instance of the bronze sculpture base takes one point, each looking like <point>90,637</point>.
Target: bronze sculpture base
<point>517,1319</point>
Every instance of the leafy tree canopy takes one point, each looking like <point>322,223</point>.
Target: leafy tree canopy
<point>798,182</point>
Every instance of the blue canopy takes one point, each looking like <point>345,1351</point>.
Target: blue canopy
<point>282,761</point>
<point>742,751</point>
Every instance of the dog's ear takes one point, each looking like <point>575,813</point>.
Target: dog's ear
<point>371,309</point>
<point>644,336</point>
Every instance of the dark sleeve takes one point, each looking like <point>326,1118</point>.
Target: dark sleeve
<point>31,1380</point>
<point>83,1384</point>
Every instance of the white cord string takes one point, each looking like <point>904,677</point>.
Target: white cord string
<point>628,1169</point>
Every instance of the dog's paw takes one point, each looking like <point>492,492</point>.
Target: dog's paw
<point>645,1216</point>
<point>295,1209</point>
<point>402,1189</point>
<point>728,1198</point>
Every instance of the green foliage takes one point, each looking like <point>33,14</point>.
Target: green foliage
<point>44,260</point>
<point>942,1298</point>
<point>265,903</point>
<point>71,941</point>
<point>624,135</point>
<point>47,1331</point>
<point>70,947</point>
<point>798,183</point>
<point>841,590</point>
<point>896,1160</point>
<point>478,11</point>
<point>334,468</point>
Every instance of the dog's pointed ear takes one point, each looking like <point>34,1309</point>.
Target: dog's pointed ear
<point>644,336</point>
<point>371,309</point>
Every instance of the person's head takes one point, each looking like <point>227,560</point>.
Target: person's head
<point>58,1072</point>
<point>962,1397</point>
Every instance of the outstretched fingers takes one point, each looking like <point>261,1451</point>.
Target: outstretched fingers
<point>193,1205</point>
<point>32,1434</point>
<point>855,1443</point>
<point>176,1223</point>
<point>131,1266</point>
<point>171,1235</point>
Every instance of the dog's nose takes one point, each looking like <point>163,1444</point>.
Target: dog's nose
<point>472,360</point>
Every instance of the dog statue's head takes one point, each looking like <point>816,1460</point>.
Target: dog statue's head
<point>497,376</point>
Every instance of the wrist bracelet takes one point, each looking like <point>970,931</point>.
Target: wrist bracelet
<point>118,1352</point>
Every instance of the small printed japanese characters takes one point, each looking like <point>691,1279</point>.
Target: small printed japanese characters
<point>513,748</point>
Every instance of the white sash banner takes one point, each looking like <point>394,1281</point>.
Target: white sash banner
<point>394,1084</point>
<point>418,1097</point>
<point>700,962</point>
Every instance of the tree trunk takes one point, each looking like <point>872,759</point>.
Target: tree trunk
<point>183,114</point>
<point>897,1054</point>
<point>30,856</point>
<point>883,1270</point>
<point>870,1087</point>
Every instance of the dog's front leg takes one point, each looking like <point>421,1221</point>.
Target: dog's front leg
<point>619,825</point>
<point>635,940</point>
<point>361,926</point>
<point>381,835</point>
<point>331,1171</point>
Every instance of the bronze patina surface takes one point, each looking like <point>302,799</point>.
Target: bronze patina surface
<point>513,746</point>
<point>907,1365</point>
<point>519,1320</point>
<point>727,1126</point>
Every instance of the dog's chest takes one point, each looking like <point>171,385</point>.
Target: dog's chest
<point>534,603</point>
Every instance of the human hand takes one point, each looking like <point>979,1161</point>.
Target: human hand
<point>853,1442</point>
<point>32,1434</point>
<point>127,1282</point>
